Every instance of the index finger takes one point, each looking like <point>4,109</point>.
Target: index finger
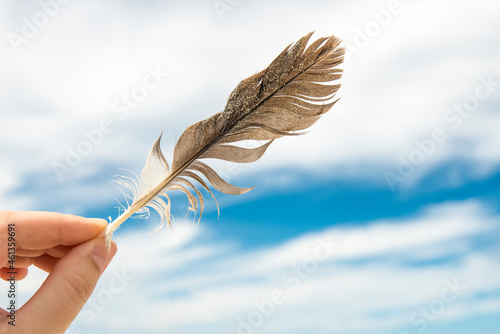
<point>42,230</point>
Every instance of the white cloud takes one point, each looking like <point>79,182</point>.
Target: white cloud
<point>394,91</point>
<point>374,280</point>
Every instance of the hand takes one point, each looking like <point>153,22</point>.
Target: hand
<point>70,248</point>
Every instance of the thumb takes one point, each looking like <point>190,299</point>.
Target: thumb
<point>61,297</point>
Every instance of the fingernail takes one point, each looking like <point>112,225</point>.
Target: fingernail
<point>100,255</point>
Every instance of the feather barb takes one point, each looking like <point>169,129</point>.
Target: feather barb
<point>290,95</point>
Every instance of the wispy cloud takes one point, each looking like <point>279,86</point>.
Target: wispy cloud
<point>350,279</point>
<point>398,89</point>
<point>64,82</point>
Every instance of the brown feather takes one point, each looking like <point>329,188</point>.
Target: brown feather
<point>288,96</point>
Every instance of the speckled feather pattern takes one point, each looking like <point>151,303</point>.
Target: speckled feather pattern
<point>287,97</point>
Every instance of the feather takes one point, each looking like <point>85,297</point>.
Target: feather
<point>288,96</point>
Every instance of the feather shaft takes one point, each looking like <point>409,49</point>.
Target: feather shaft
<point>288,96</point>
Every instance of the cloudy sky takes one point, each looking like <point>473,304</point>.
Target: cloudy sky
<point>385,218</point>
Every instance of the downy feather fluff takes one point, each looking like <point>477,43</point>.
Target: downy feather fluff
<point>288,96</point>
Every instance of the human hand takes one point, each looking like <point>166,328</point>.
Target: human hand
<point>70,248</point>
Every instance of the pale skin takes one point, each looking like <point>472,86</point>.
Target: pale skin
<point>70,248</point>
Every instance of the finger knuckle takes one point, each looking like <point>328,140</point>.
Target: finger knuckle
<point>78,288</point>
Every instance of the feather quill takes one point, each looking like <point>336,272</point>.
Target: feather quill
<point>288,96</point>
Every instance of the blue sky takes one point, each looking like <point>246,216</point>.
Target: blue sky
<point>383,219</point>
